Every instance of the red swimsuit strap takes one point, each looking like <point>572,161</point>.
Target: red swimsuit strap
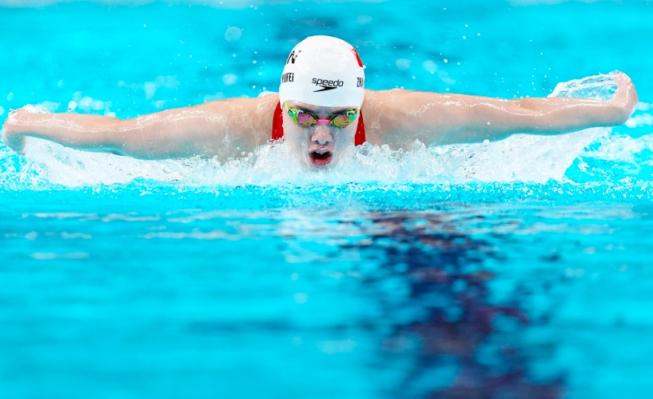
<point>277,127</point>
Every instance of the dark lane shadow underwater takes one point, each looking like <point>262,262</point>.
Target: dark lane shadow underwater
<point>442,331</point>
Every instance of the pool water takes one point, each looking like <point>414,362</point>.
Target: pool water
<point>497,270</point>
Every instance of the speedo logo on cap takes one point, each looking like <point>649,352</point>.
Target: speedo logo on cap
<point>327,84</point>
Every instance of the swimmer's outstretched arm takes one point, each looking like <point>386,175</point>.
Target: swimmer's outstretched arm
<point>400,117</point>
<point>221,128</point>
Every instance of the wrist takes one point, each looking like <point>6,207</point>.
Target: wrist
<point>619,113</point>
<point>10,126</point>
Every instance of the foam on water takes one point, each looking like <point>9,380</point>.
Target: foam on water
<point>520,158</point>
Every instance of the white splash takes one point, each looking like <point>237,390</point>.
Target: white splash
<point>622,148</point>
<point>522,158</point>
<point>597,87</point>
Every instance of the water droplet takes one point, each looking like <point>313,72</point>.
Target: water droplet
<point>229,79</point>
<point>233,34</point>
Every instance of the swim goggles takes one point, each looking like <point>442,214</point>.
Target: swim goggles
<point>306,119</point>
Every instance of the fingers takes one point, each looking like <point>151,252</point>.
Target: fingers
<point>12,139</point>
<point>623,82</point>
<point>15,116</point>
<point>621,78</point>
<point>626,95</point>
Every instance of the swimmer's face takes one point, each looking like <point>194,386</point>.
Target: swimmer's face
<point>320,145</point>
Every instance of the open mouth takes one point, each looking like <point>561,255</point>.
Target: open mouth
<point>320,158</point>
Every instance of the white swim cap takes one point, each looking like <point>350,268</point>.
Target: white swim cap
<point>324,71</point>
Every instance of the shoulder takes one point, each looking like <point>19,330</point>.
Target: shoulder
<point>380,114</point>
<point>262,105</point>
<point>396,102</point>
<point>399,117</point>
<point>250,116</point>
<point>389,113</point>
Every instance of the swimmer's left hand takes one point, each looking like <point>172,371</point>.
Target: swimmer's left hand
<point>625,99</point>
<point>14,141</point>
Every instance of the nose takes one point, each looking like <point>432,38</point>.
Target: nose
<point>321,135</point>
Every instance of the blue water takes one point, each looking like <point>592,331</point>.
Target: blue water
<point>502,270</point>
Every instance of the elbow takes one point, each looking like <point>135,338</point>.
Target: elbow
<point>116,138</point>
<point>498,121</point>
<point>127,142</point>
<point>146,141</point>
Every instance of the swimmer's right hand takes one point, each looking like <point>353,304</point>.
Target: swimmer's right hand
<point>625,99</point>
<point>11,132</point>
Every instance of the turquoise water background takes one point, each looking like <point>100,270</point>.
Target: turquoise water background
<point>511,269</point>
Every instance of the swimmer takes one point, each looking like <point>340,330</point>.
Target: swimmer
<point>322,110</point>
